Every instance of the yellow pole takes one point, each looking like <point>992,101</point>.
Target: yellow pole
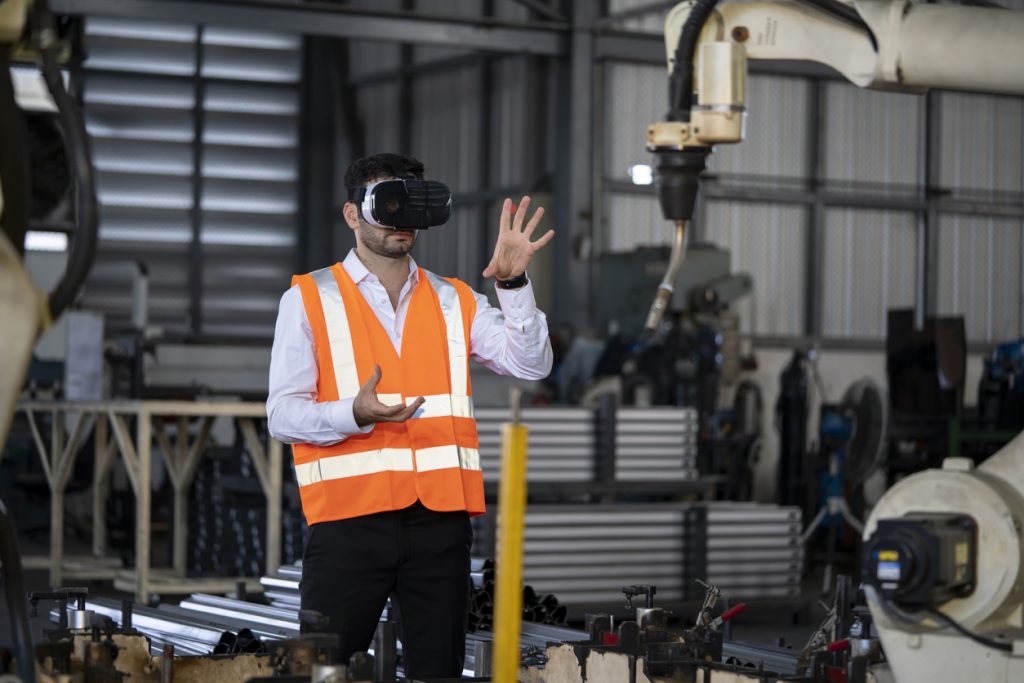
<point>508,604</point>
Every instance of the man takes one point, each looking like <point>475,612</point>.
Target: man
<point>369,381</point>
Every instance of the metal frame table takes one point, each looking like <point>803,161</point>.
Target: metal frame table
<point>182,458</point>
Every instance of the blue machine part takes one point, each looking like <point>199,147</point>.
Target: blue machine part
<point>1007,362</point>
<point>835,430</point>
<point>835,425</point>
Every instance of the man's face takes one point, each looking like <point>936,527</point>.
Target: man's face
<point>385,242</point>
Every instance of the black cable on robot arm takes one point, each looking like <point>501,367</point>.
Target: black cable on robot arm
<point>680,82</point>
<point>83,244</point>
<point>981,640</point>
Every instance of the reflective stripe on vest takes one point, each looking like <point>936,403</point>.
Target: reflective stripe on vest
<point>437,405</point>
<point>343,356</point>
<point>386,460</point>
<point>458,356</point>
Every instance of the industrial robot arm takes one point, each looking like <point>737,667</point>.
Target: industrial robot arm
<point>881,44</point>
<point>944,574</point>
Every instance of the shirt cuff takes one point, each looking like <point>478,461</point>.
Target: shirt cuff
<point>517,304</point>
<point>343,420</point>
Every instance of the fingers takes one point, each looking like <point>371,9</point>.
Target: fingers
<point>404,412</point>
<point>532,225</point>
<point>504,223</point>
<point>547,237</point>
<point>490,270</point>
<point>517,223</point>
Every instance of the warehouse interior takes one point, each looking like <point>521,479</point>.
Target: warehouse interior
<point>792,455</point>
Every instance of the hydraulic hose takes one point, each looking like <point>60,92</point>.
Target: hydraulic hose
<point>14,591</point>
<point>83,246</point>
<point>680,82</point>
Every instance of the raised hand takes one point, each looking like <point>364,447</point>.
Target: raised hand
<point>367,408</point>
<point>513,250</point>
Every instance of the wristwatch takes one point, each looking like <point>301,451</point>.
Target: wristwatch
<point>513,283</point>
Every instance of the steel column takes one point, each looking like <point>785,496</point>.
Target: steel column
<point>573,160</point>
<point>143,502</point>
<point>927,284</point>
<point>815,229</point>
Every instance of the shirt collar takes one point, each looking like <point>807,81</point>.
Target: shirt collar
<point>357,269</point>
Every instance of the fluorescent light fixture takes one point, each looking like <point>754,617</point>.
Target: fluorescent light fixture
<point>641,174</point>
<point>36,240</point>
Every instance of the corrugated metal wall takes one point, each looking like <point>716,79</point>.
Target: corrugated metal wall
<point>767,241</point>
<point>872,147</point>
<point>870,266</point>
<point>980,266</point>
<point>150,89</point>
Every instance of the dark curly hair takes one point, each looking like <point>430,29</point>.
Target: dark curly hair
<point>363,171</point>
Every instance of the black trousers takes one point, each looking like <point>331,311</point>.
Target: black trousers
<point>418,557</point>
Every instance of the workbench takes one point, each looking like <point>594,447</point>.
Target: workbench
<point>110,421</point>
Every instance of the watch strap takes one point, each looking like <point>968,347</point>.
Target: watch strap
<point>513,283</point>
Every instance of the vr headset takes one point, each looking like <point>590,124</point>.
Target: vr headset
<point>404,203</point>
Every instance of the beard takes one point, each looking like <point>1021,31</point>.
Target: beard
<point>385,241</point>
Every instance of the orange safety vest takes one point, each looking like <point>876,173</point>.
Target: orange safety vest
<point>433,457</point>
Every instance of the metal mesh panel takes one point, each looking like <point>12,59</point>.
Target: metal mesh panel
<point>872,137</point>
<point>979,275</point>
<point>870,266</point>
<point>768,242</point>
<point>140,99</point>
<point>981,152</point>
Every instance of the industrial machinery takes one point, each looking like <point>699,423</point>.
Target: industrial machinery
<point>946,594</point>
<point>882,44</point>
<point>23,309</point>
<point>851,445</point>
<point>841,648</point>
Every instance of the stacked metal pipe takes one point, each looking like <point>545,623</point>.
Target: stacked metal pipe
<point>541,609</point>
<point>199,623</point>
<point>227,513</point>
<point>585,553</point>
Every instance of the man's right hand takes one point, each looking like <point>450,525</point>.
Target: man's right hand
<point>367,408</point>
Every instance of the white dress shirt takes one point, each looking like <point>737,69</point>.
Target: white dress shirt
<point>510,341</point>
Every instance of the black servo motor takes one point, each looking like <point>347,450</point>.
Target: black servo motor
<point>923,559</point>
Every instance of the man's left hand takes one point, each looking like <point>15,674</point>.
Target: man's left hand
<point>513,250</point>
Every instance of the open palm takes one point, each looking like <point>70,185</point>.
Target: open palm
<point>513,250</point>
